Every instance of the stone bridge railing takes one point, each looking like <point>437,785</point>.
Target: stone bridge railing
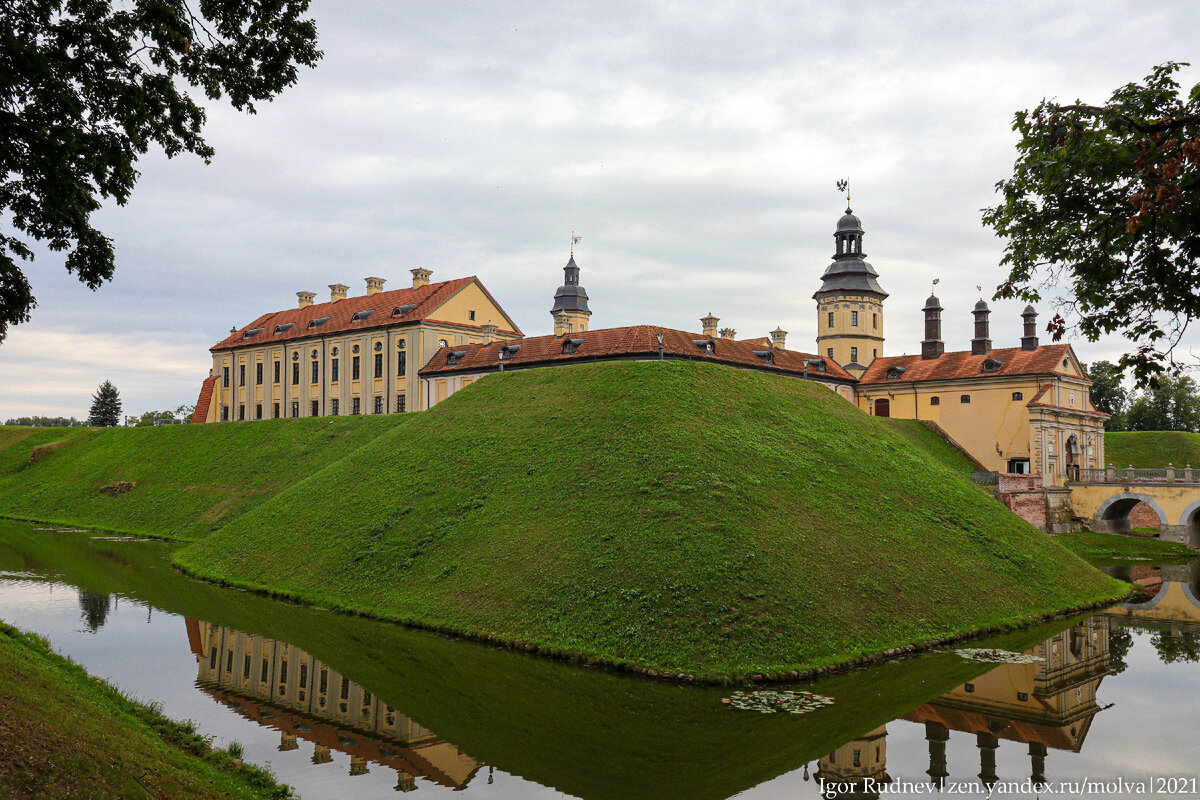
<point>1169,474</point>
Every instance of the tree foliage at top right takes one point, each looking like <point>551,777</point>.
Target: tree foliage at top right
<point>1105,200</point>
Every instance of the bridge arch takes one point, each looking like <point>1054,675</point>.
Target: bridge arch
<point>1114,512</point>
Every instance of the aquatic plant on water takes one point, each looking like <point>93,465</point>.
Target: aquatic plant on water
<point>772,701</point>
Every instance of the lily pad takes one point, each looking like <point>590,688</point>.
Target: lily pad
<point>987,655</point>
<point>775,701</point>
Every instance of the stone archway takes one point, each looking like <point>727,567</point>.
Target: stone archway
<point>1113,514</point>
<point>1188,530</point>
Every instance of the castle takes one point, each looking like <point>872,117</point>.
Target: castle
<point>1022,409</point>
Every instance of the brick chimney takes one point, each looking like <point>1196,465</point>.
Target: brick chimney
<point>777,337</point>
<point>932,346</point>
<point>709,324</point>
<point>728,333</point>
<point>1030,340</point>
<point>306,298</point>
<point>374,285</point>
<point>489,331</point>
<point>337,291</point>
<point>982,342</point>
<point>420,277</point>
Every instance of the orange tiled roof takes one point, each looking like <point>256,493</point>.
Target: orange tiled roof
<point>638,341</point>
<point>1045,360</point>
<point>425,300</point>
<point>1053,736</point>
<point>206,393</point>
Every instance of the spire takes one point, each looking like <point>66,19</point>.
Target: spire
<point>849,272</point>
<point>570,310</point>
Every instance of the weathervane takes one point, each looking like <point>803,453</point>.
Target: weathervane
<point>936,281</point>
<point>843,185</point>
<point>574,241</point>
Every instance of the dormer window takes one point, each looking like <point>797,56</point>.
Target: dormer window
<point>815,363</point>
<point>767,356</point>
<point>400,311</point>
<point>250,334</point>
<point>318,322</point>
<point>709,346</point>
<point>362,315</point>
<point>284,328</point>
<point>508,351</point>
<point>454,356</point>
<point>991,365</point>
<point>570,346</point>
<point>895,373</point>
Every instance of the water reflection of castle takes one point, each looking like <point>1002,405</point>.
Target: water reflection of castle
<point>283,687</point>
<point>1048,705</point>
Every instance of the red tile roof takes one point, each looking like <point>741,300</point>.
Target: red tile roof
<point>638,341</point>
<point>206,393</point>
<point>425,300</point>
<point>1045,360</point>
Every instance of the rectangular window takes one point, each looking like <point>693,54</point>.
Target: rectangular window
<point>935,401</point>
<point>212,659</point>
<point>401,363</point>
<point>295,408</point>
<point>241,412</point>
<point>875,321</point>
<point>333,370</point>
<point>874,353</point>
<point>266,671</point>
<point>258,373</point>
<point>295,373</point>
<point>316,408</point>
<point>471,315</point>
<point>966,398</point>
<point>246,668</point>
<point>1018,396</point>
<point>831,319</point>
<point>853,355</point>
<point>334,407</point>
<point>345,688</point>
<point>399,404</point>
<point>225,377</point>
<point>277,365</point>
<point>379,404</point>
<point>315,371</point>
<point>303,682</point>
<point>1023,697</point>
<point>355,405</point>
<point>283,672</point>
<point>854,318</point>
<point>324,687</point>
<point>258,411</point>
<point>229,661</point>
<point>224,413</point>
<point>354,368</point>
<point>276,412</point>
<point>379,365</point>
<point>241,374</point>
<point>829,353</point>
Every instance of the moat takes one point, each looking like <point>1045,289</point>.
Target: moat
<point>344,707</point>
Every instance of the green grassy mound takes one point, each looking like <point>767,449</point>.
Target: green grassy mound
<point>69,735</point>
<point>1151,449</point>
<point>1104,548</point>
<point>685,517</point>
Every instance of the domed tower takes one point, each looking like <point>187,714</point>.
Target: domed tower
<point>570,310</point>
<point>850,303</point>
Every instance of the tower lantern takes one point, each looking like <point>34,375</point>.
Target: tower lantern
<point>570,309</point>
<point>850,302</point>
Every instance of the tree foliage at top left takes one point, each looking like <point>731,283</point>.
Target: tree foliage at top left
<point>87,86</point>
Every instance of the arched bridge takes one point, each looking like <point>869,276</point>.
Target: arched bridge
<point>1175,605</point>
<point>1105,497</point>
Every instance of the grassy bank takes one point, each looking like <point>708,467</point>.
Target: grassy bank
<point>1106,546</point>
<point>684,517</point>
<point>1150,449</point>
<point>69,735</point>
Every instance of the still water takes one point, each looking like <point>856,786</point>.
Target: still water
<point>342,707</point>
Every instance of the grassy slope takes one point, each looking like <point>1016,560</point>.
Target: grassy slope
<point>190,478</point>
<point>68,735</point>
<point>1103,547</point>
<point>1150,449</point>
<point>681,516</point>
<point>932,444</point>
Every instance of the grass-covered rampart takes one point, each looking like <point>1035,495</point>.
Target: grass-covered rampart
<point>683,517</point>
<point>1152,449</point>
<point>69,735</point>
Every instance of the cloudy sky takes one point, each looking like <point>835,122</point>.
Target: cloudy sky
<point>694,146</point>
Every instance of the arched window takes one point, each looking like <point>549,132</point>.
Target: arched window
<point>966,398</point>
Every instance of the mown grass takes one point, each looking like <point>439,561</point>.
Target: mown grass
<point>69,735</point>
<point>1105,546</point>
<point>1152,449</point>
<point>683,517</point>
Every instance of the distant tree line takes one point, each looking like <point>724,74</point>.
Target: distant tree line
<point>106,413</point>
<point>38,421</point>
<point>1170,403</point>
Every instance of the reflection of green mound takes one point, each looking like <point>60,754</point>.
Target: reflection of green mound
<point>680,516</point>
<point>586,732</point>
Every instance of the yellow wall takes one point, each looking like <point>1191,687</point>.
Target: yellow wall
<point>843,334</point>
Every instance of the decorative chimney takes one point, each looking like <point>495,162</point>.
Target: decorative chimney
<point>932,346</point>
<point>306,298</point>
<point>337,291</point>
<point>489,331</point>
<point>982,343</point>
<point>728,333</point>
<point>777,337</point>
<point>420,277</point>
<point>709,324</point>
<point>374,285</point>
<point>562,322</point>
<point>1030,340</point>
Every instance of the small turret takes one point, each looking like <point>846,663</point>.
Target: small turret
<point>709,325</point>
<point>1030,340</point>
<point>932,346</point>
<point>982,343</point>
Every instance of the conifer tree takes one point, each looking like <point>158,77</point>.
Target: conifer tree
<point>106,406</point>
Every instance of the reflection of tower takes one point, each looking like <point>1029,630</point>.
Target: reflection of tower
<point>858,765</point>
<point>850,303</point>
<point>937,735</point>
<point>988,743</point>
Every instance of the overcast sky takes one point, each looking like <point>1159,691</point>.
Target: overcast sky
<point>694,146</point>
